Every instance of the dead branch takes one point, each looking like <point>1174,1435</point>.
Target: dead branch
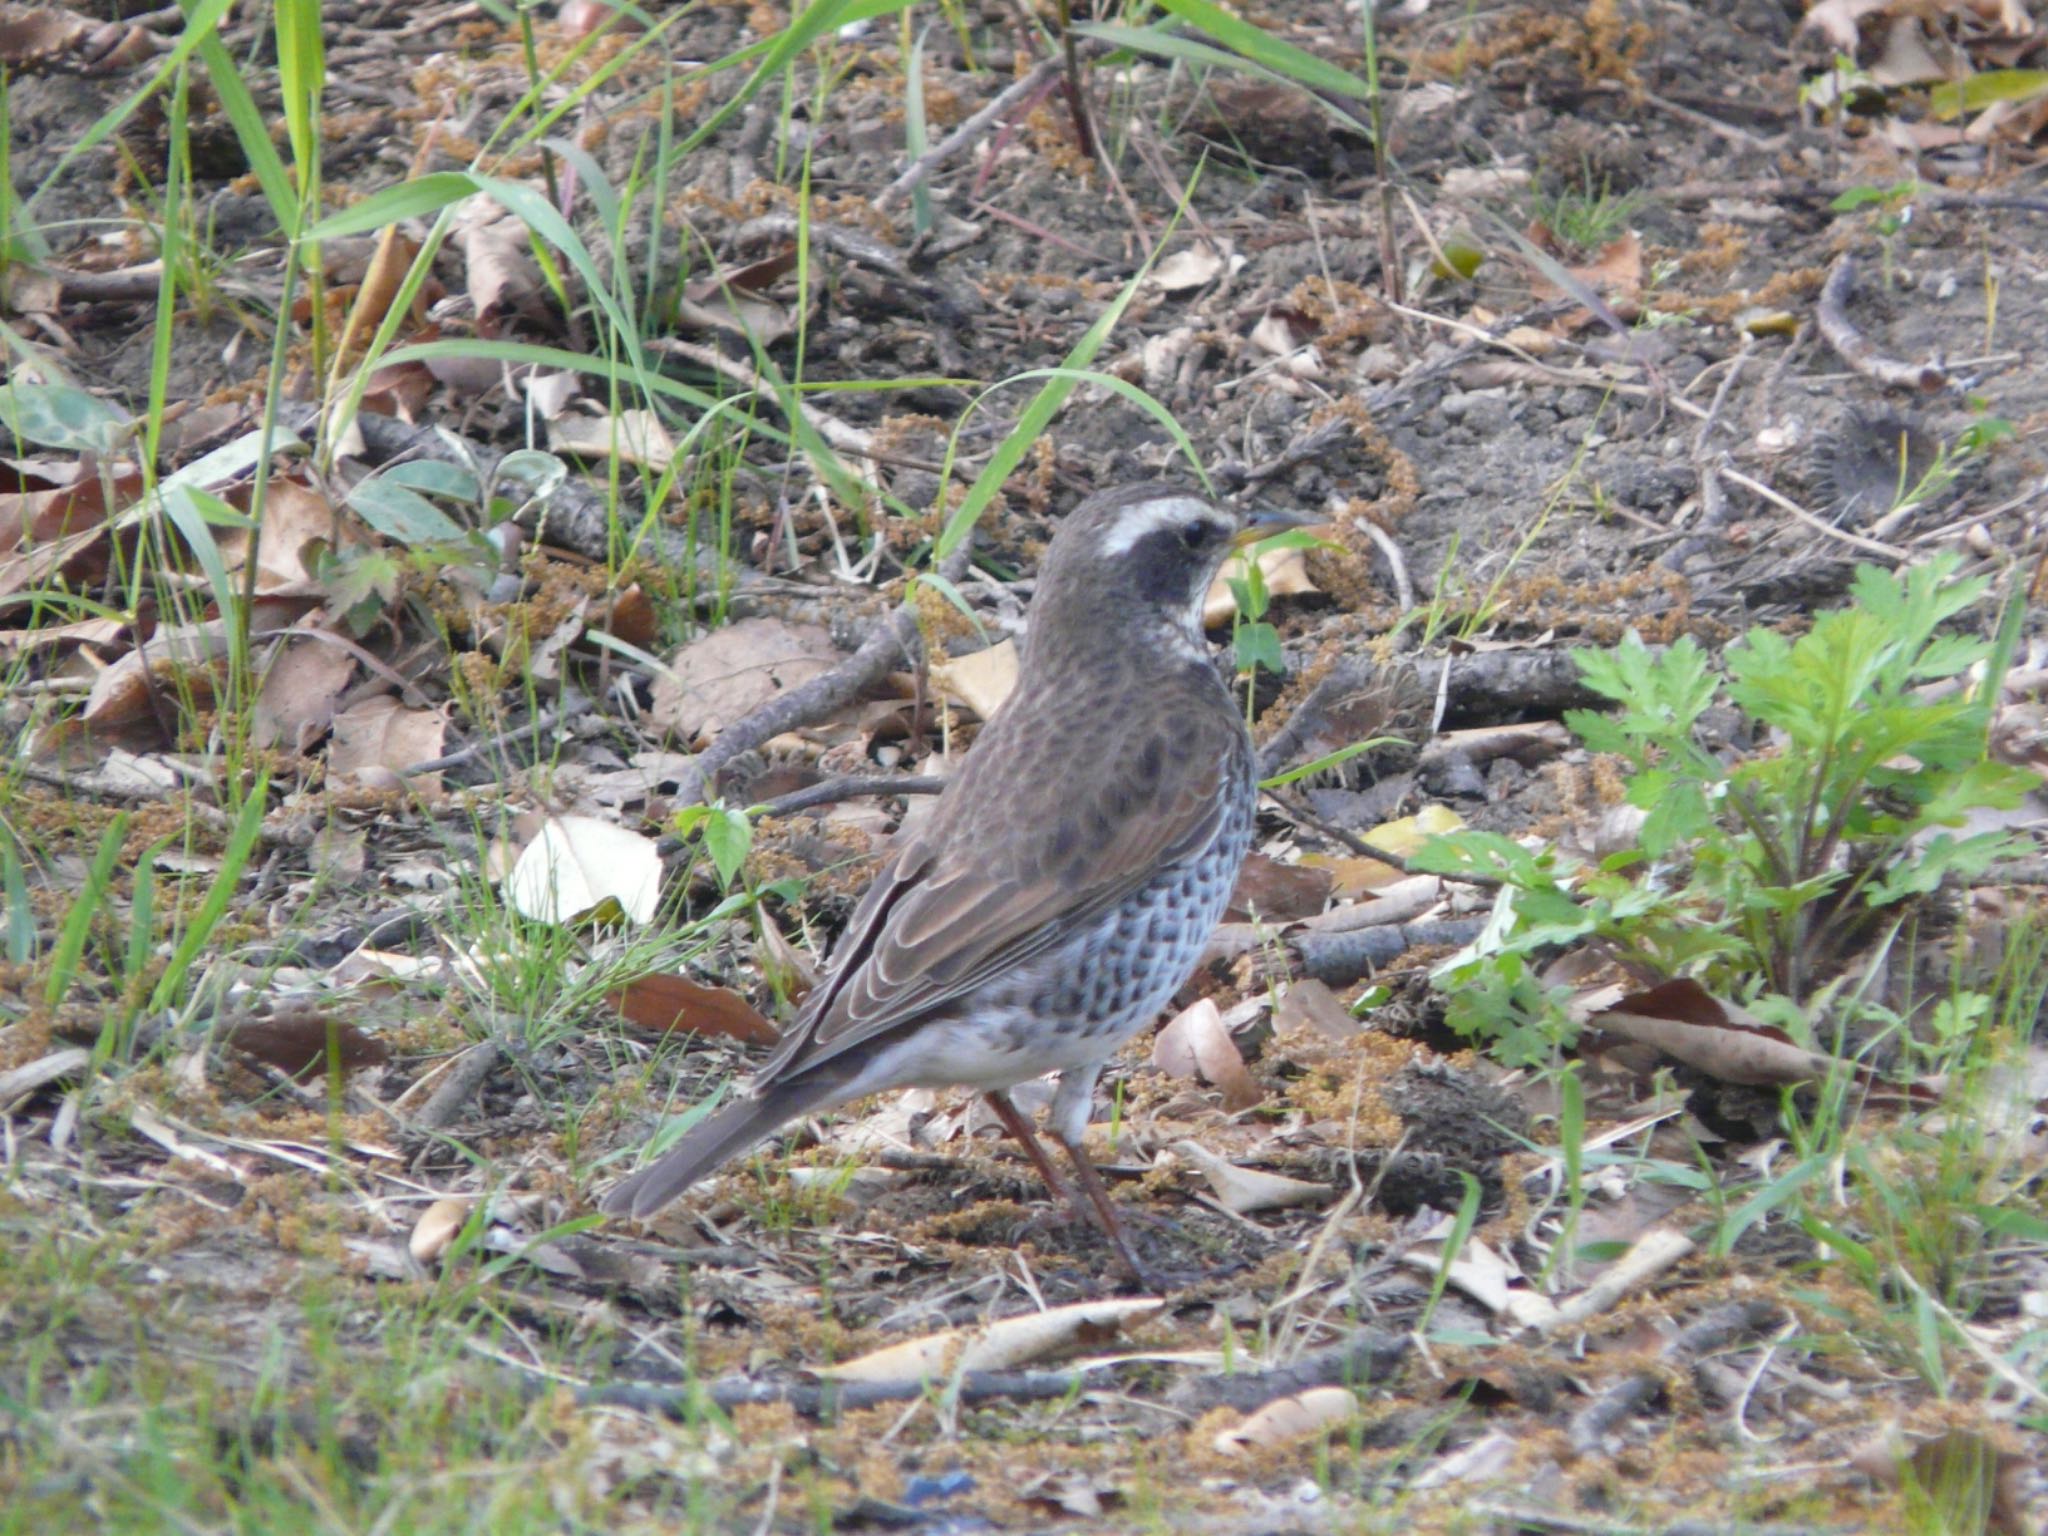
<point>968,133</point>
<point>852,786</point>
<point>895,641</point>
<point>1856,349</point>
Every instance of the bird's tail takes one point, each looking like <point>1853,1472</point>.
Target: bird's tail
<point>729,1131</point>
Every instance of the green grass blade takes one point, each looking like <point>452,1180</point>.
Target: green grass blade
<point>1052,394</point>
<point>221,895</point>
<point>84,907</point>
<point>1166,44</point>
<point>246,118</point>
<point>21,919</point>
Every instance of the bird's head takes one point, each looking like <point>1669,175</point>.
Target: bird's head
<point>1141,559</point>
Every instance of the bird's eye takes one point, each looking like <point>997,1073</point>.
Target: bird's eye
<point>1197,532</point>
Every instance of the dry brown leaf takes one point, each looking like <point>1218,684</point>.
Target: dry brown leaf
<point>1311,1003</point>
<point>981,680</point>
<point>1684,1021</point>
<point>736,301</point>
<point>59,530</point>
<point>1907,59</point>
<point>1316,1411</point>
<point>376,739</point>
<point>628,615</point>
<point>582,18</point>
<point>502,275</point>
<point>298,521</point>
<point>1001,1346</point>
<point>1188,268</point>
<point>630,436</point>
<point>1357,875</point>
<point>382,281</point>
<point>1245,1190</point>
<point>666,1004</point>
<point>1286,574</point>
<point>303,1042</point>
<point>1278,893</point>
<point>1194,1045</point>
<point>437,1228</point>
<point>176,663</point>
<point>730,672</point>
<point>1836,20</point>
<point>301,687</point>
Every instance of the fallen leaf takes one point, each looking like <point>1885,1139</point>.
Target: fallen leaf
<point>1245,1190</point>
<point>631,436</point>
<point>1278,893</point>
<point>1187,268</point>
<point>1001,1346</point>
<point>1683,1020</point>
<point>303,1042</point>
<point>301,686</point>
<point>579,864</point>
<point>981,680</point>
<point>730,672</point>
<point>1310,1002</point>
<point>1286,575</point>
<point>666,1004</point>
<point>1194,1045</point>
<point>1358,874</point>
<point>437,1228</point>
<point>1316,1411</point>
<point>376,739</point>
<point>1836,21</point>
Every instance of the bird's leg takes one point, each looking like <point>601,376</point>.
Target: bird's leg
<point>1020,1131</point>
<point>1100,1206</point>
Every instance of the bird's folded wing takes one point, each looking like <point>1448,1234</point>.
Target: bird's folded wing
<point>938,923</point>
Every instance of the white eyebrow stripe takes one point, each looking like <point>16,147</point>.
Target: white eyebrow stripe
<point>1141,518</point>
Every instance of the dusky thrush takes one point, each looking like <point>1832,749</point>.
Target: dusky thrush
<point>1066,881</point>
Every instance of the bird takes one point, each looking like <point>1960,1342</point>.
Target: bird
<point>1068,878</point>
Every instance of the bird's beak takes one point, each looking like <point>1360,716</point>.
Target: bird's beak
<point>1266,523</point>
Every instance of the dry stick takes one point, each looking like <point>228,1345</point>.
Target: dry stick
<point>465,1076</point>
<point>1818,524</point>
<point>851,786</point>
<point>1856,349</point>
<point>961,138</point>
<point>842,436</point>
<point>539,726</point>
<point>895,639</point>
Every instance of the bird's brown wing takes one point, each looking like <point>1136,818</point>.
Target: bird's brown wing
<point>955,907</point>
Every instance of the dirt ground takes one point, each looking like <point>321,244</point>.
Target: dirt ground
<point>1630,417</point>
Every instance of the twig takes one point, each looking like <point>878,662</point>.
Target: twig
<point>1818,524</point>
<point>841,435</point>
<point>851,786</point>
<point>459,1084</point>
<point>826,1399</point>
<point>540,725</point>
<point>956,142</point>
<point>894,640</point>
<point>1856,349</point>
